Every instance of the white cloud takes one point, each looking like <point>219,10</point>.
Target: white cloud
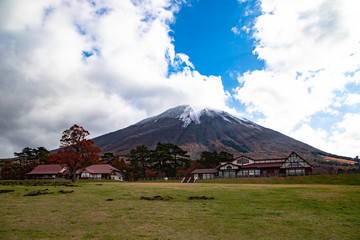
<point>182,59</point>
<point>347,137</point>
<point>303,36</point>
<point>312,52</point>
<point>319,137</point>
<point>235,30</point>
<point>246,29</point>
<point>352,99</point>
<point>103,66</point>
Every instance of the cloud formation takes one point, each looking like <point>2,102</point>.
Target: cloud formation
<point>312,54</point>
<point>108,64</point>
<point>101,64</point>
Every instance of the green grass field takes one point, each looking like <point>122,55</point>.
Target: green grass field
<point>238,211</point>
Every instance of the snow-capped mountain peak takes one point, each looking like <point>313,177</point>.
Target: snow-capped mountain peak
<point>188,114</point>
<point>198,129</point>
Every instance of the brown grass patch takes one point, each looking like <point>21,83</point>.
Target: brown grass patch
<point>339,160</point>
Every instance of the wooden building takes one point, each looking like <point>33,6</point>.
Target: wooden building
<point>293,165</point>
<point>49,171</point>
<point>204,173</point>
<point>99,172</point>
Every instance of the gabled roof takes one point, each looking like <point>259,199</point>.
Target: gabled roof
<point>48,169</point>
<point>207,170</point>
<point>294,153</point>
<point>227,163</point>
<point>101,168</point>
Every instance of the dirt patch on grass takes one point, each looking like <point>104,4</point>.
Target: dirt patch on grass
<point>38,192</point>
<point>66,191</point>
<point>200,198</point>
<point>6,190</point>
<point>155,198</point>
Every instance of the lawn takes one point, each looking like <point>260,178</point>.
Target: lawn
<point>238,211</point>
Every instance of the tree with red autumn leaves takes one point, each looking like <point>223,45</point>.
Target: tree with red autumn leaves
<point>75,150</point>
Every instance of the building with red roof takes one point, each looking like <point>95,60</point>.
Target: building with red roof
<point>293,165</point>
<point>100,171</point>
<point>49,171</point>
<point>207,173</point>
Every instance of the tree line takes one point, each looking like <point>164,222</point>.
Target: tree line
<point>77,151</point>
<point>26,160</point>
<point>166,160</point>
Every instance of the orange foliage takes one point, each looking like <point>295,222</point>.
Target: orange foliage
<point>76,151</point>
<point>120,164</point>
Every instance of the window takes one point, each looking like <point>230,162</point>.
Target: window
<point>245,172</point>
<point>228,167</point>
<point>265,172</point>
<point>242,161</point>
<point>291,172</point>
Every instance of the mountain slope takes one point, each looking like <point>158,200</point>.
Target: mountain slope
<point>198,130</point>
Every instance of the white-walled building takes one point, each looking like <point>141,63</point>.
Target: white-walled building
<point>99,172</point>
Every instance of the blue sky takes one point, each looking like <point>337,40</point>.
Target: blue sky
<point>219,39</point>
<point>292,66</point>
<point>203,29</point>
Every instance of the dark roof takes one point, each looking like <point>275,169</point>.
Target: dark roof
<point>101,168</point>
<point>211,170</point>
<point>261,159</point>
<point>48,169</point>
<point>263,165</point>
<point>243,156</point>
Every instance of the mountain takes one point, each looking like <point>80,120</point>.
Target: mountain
<point>204,129</point>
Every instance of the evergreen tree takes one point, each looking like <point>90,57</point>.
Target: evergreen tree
<point>26,155</point>
<point>108,158</point>
<point>212,159</point>
<point>140,160</point>
<point>179,159</point>
<point>160,158</point>
<point>42,155</point>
